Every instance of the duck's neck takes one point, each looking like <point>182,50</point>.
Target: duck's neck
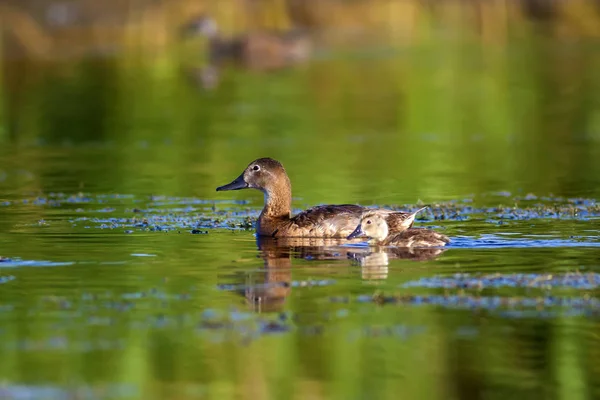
<point>278,202</point>
<point>382,233</point>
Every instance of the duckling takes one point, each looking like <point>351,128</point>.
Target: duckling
<point>328,221</point>
<point>373,225</point>
<point>260,51</point>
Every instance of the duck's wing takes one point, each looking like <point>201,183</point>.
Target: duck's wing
<point>324,221</point>
<point>418,237</point>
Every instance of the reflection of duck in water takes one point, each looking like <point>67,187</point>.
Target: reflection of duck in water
<point>268,289</point>
<point>258,51</point>
<point>330,221</point>
<point>373,225</point>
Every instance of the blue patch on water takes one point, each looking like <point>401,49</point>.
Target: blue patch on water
<point>24,392</point>
<point>361,245</point>
<point>17,263</point>
<point>5,279</point>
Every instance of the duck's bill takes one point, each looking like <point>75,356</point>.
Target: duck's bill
<point>237,184</point>
<point>357,233</point>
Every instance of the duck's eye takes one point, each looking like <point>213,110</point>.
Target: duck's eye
<point>256,168</point>
<point>368,222</point>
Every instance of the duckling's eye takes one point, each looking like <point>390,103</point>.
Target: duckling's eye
<point>369,222</point>
<point>256,168</point>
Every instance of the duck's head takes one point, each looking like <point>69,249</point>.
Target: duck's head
<point>201,25</point>
<point>264,174</point>
<point>372,225</point>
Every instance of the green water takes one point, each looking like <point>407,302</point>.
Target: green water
<point>107,167</point>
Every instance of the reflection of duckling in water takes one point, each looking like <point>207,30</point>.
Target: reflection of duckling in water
<point>374,226</point>
<point>374,264</point>
<point>258,51</point>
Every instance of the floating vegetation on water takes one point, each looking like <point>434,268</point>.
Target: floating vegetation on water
<point>221,325</point>
<point>194,215</point>
<point>397,331</point>
<point>506,306</point>
<point>490,241</point>
<point>272,285</point>
<point>65,344</point>
<point>581,281</point>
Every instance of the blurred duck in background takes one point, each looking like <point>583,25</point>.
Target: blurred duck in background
<point>257,51</point>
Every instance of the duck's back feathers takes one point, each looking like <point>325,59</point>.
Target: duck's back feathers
<point>322,221</point>
<point>339,221</point>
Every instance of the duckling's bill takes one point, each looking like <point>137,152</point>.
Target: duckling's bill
<point>358,232</point>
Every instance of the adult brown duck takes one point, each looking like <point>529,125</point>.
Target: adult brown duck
<point>332,221</point>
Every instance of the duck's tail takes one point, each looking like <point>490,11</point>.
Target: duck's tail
<point>410,219</point>
<point>414,213</point>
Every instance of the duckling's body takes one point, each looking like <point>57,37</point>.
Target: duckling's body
<point>416,237</point>
<point>328,221</point>
<point>373,225</point>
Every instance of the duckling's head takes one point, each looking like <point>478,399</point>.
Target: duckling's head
<point>264,174</point>
<point>371,225</point>
<point>202,25</point>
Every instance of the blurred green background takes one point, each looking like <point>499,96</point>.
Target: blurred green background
<point>437,99</point>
